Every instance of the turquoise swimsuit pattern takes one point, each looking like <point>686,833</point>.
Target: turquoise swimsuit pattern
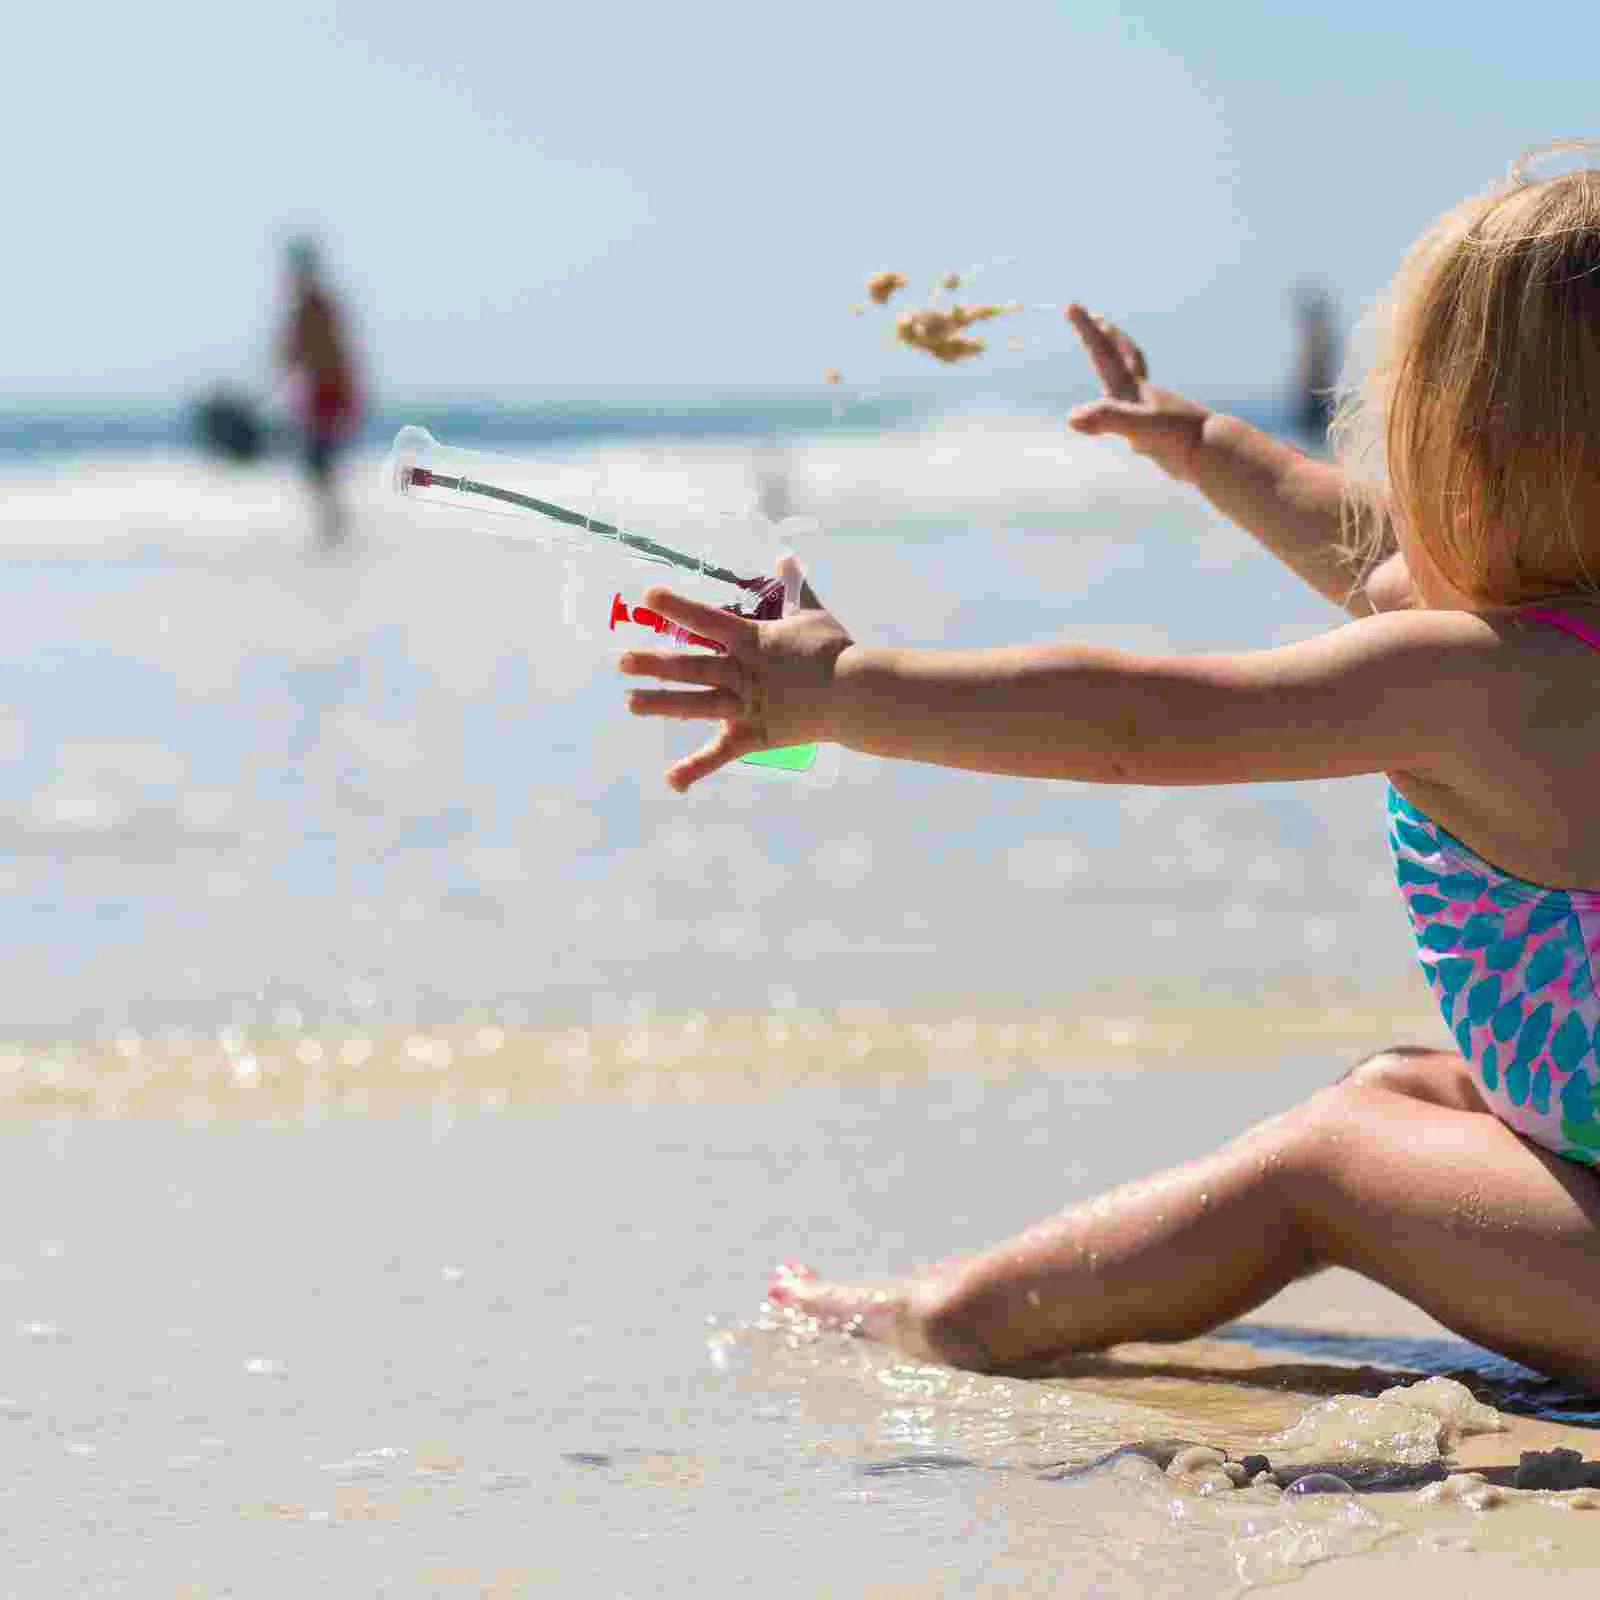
<point>1513,967</point>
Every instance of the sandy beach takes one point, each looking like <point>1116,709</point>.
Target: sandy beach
<point>294,1077</point>
<point>380,1318</point>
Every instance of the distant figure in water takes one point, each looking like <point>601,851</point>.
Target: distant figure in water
<point>1316,361</point>
<point>315,351</point>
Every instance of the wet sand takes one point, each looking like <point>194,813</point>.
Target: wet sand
<point>354,1307</point>
<point>234,1073</point>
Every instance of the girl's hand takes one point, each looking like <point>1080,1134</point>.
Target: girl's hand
<point>1156,422</point>
<point>772,687</point>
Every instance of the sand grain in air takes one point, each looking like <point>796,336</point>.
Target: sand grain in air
<point>882,286</point>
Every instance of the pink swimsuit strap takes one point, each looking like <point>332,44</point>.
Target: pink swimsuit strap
<point>1566,622</point>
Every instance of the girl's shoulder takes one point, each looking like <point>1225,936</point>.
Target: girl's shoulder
<point>1517,763</point>
<point>1530,649</point>
<point>1491,676</point>
<point>1488,646</point>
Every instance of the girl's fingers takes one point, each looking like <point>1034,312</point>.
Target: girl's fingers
<point>1109,416</point>
<point>725,747</point>
<point>1132,355</point>
<point>686,705</point>
<point>671,666</point>
<point>712,621</point>
<point>1105,353</point>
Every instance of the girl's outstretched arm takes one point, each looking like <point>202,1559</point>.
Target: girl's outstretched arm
<point>1386,693</point>
<point>1383,694</point>
<point>1287,500</point>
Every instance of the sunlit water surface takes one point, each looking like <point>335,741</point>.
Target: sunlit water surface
<point>389,1357</point>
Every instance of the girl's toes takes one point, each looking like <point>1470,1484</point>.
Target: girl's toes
<point>786,1275</point>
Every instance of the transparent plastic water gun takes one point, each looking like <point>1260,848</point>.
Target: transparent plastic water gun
<point>422,469</point>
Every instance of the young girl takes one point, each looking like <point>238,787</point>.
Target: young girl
<point>1471,677</point>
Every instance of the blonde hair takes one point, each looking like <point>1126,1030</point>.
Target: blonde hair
<point>1481,406</point>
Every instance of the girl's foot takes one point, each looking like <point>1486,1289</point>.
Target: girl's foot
<point>894,1312</point>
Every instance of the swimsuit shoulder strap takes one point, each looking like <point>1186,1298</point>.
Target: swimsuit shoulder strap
<point>1566,622</point>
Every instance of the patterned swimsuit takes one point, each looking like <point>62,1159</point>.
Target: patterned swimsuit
<point>1513,965</point>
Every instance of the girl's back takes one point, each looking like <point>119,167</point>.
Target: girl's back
<point>1528,751</point>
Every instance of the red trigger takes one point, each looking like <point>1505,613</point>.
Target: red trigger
<point>646,618</point>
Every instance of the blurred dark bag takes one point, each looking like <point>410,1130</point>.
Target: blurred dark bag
<point>228,424</point>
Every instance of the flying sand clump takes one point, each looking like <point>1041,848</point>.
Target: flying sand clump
<point>940,330</point>
<point>882,286</point>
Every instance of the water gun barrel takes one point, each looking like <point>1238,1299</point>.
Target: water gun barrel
<point>418,467</point>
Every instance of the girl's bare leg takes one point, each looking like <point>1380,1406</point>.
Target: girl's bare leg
<point>1397,1172</point>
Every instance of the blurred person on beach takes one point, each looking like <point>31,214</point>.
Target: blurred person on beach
<point>1316,368</point>
<point>1466,671</point>
<point>314,350</point>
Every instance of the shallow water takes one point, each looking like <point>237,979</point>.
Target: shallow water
<point>396,1355</point>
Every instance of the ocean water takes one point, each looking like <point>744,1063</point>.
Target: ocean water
<point>32,432</point>
<point>392,1208</point>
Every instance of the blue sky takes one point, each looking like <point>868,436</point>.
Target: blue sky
<point>590,196</point>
